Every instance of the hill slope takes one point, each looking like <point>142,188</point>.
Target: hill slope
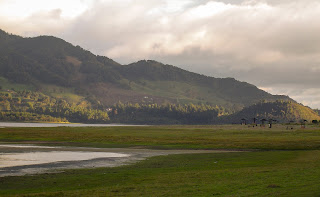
<point>279,110</point>
<point>46,60</point>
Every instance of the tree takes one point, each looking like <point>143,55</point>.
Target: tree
<point>263,122</point>
<point>254,121</point>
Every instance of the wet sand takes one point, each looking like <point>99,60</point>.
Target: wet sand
<point>18,160</point>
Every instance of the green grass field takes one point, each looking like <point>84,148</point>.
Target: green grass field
<point>284,163</point>
<point>173,137</point>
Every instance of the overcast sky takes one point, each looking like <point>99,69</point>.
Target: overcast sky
<point>272,44</point>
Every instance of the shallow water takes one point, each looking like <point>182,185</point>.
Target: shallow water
<point>22,159</point>
<point>24,146</point>
<point>23,124</point>
<point>32,158</point>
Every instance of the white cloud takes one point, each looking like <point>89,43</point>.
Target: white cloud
<point>21,8</point>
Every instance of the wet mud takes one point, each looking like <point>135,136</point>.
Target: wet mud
<point>18,160</point>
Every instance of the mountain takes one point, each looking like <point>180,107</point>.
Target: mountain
<point>281,111</point>
<point>46,61</point>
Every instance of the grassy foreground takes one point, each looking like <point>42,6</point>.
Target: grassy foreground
<point>293,172</point>
<point>274,173</point>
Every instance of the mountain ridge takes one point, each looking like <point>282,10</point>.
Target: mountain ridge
<point>61,70</point>
<point>51,60</point>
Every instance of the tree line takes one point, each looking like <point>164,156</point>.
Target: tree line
<point>163,113</point>
<point>28,105</point>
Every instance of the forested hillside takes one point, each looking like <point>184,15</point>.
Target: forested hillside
<point>49,60</point>
<point>164,114</point>
<point>279,110</point>
<point>48,79</point>
<point>35,106</point>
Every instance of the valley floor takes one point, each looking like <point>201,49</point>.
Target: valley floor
<point>277,162</point>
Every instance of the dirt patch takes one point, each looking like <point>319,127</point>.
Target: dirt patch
<point>73,60</point>
<point>273,186</point>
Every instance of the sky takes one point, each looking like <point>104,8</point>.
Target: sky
<point>272,44</point>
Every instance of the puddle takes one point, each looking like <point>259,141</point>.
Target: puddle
<point>18,160</point>
<point>24,146</point>
<point>32,158</point>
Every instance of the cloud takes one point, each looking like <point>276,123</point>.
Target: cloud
<point>272,44</point>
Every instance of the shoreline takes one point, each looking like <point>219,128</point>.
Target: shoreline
<point>133,155</point>
<point>52,124</point>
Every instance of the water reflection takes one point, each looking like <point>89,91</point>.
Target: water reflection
<point>22,124</point>
<point>31,158</point>
<point>22,159</point>
<point>24,146</point>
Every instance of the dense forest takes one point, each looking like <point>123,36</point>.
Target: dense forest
<point>35,106</point>
<point>29,117</point>
<point>164,114</point>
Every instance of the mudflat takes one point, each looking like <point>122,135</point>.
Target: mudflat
<point>22,159</point>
